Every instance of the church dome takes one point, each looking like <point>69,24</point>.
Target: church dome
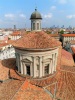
<point>36,40</point>
<point>36,15</point>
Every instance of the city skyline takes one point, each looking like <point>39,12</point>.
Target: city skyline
<point>56,12</point>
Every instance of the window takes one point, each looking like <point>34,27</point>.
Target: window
<point>33,26</point>
<point>37,26</point>
<point>47,69</point>
<point>28,69</point>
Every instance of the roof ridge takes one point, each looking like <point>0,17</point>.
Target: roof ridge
<point>18,90</point>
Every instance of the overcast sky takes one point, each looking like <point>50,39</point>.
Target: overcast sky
<point>54,12</point>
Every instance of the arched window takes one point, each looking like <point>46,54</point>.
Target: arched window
<point>33,26</point>
<point>37,26</point>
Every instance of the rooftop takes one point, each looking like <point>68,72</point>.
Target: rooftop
<point>36,40</point>
<point>16,33</point>
<point>66,85</point>
<point>54,35</point>
<point>31,92</point>
<point>3,44</point>
<point>7,69</point>
<point>67,58</point>
<point>19,88</point>
<point>68,35</point>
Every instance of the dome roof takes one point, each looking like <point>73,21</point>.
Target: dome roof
<point>35,15</point>
<point>36,41</point>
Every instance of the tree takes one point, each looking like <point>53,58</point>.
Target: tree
<point>61,32</point>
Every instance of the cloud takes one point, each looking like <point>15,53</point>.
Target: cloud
<point>53,7</point>
<point>49,15</point>
<point>71,16</point>
<point>10,16</point>
<point>22,16</point>
<point>61,1</point>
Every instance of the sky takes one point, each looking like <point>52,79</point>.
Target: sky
<point>54,12</point>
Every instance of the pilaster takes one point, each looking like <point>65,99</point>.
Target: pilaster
<point>50,67</point>
<point>21,64</point>
<point>40,69</point>
<point>31,69</point>
<point>34,67</point>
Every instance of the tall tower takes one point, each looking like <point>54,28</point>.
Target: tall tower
<point>35,21</point>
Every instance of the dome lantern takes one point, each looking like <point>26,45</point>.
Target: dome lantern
<point>36,21</point>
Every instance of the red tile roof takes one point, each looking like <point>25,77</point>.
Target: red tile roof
<point>37,40</point>
<point>11,41</point>
<point>5,65</point>
<point>67,58</point>
<point>9,88</point>
<point>54,35</point>
<point>3,44</point>
<point>66,86</point>
<point>24,90</point>
<point>68,35</point>
<point>31,92</point>
<point>16,33</point>
<point>43,82</point>
<point>68,68</point>
<point>73,49</point>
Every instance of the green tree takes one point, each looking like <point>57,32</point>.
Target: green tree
<point>61,32</point>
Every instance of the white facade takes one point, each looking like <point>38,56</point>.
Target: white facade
<point>67,39</point>
<point>1,37</point>
<point>7,52</point>
<point>36,64</point>
<point>7,32</point>
<point>14,37</point>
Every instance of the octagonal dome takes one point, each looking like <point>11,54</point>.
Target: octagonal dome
<point>35,15</point>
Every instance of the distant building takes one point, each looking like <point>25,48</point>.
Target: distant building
<point>6,51</point>
<point>15,35</point>
<point>67,38</point>
<point>56,36</point>
<point>14,27</point>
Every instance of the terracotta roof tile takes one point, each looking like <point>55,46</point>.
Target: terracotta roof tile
<point>16,33</point>
<point>54,35</point>
<point>66,86</point>
<point>4,68</point>
<point>37,40</point>
<point>68,68</point>
<point>9,88</point>
<point>68,35</point>
<point>43,82</point>
<point>3,44</point>
<point>31,92</point>
<point>67,58</point>
<point>11,41</point>
<point>73,49</point>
